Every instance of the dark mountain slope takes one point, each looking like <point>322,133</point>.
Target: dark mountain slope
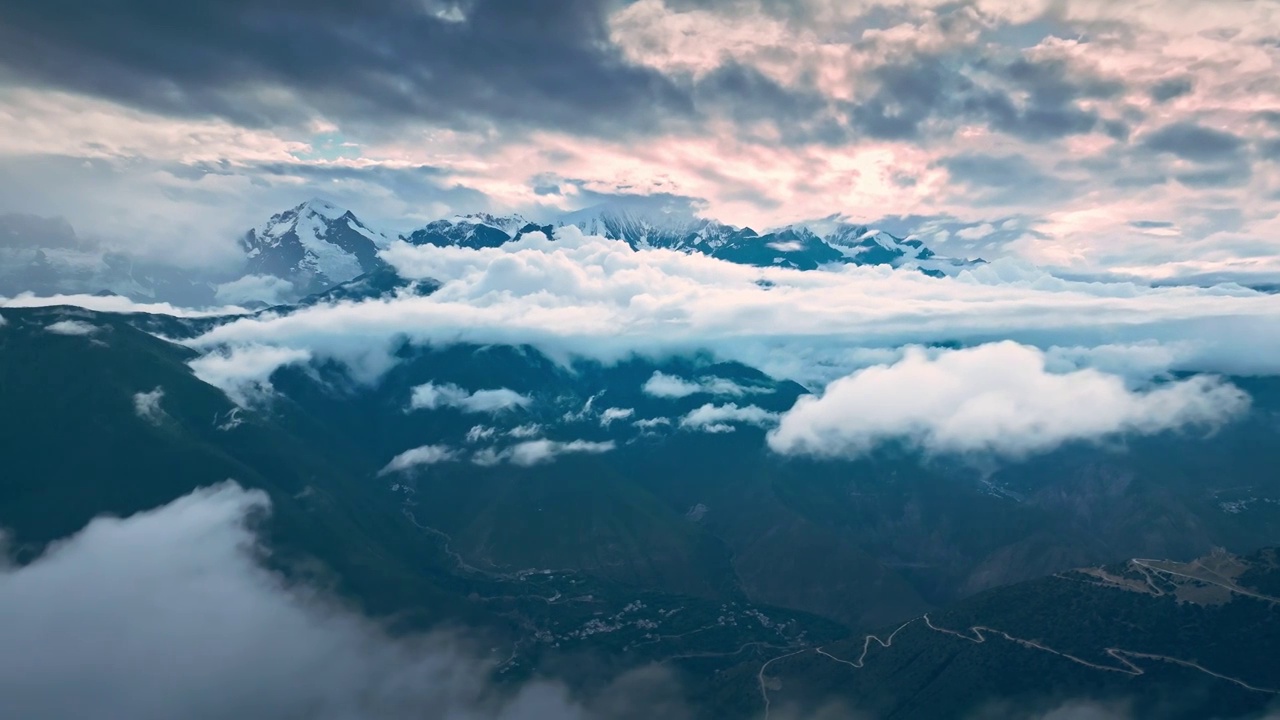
<point>1161,644</point>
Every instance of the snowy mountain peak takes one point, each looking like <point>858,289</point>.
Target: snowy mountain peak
<point>323,208</point>
<point>475,230</point>
<point>644,223</point>
<point>509,224</point>
<point>313,245</point>
<point>869,246</point>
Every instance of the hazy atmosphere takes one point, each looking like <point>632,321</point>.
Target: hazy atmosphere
<point>618,359</point>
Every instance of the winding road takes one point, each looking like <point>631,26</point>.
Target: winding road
<point>978,634</point>
<point>1146,566</point>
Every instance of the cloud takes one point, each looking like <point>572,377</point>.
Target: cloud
<point>1001,179</point>
<point>107,611</point>
<point>431,396</point>
<point>975,232</point>
<point>392,63</point>
<point>612,415</point>
<point>3,322</point>
<point>579,296</point>
<point>538,452</point>
<point>763,113</point>
<point>997,398</point>
<point>244,372</point>
<point>117,304</point>
<point>1190,141</point>
<point>480,432</point>
<point>254,288</point>
<point>662,385</point>
<point>71,327</point>
<point>651,423</point>
<point>146,405</point>
<point>1171,88</point>
<point>721,418</point>
<point>525,431</point>
<point>419,456</point>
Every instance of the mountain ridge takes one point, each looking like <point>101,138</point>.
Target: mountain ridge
<point>315,246</point>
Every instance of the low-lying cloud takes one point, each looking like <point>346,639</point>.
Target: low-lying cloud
<point>146,405</point>
<point>431,396</point>
<point>611,415</point>
<point>722,418</point>
<point>998,398</point>
<point>117,304</point>
<point>267,289</point>
<point>166,614</point>
<point>244,372</point>
<point>597,298</point>
<point>71,327</point>
<point>662,385</point>
<point>418,457</point>
<point>538,452</point>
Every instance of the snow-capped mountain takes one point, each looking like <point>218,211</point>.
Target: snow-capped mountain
<point>308,250</point>
<point>315,246</point>
<point>478,230</point>
<point>649,225</point>
<point>804,246</point>
<point>792,247</point>
<point>864,245</point>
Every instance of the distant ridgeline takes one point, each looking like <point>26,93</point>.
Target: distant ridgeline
<point>308,249</point>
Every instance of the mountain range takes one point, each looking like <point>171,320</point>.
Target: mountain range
<point>586,519</point>
<point>314,246</point>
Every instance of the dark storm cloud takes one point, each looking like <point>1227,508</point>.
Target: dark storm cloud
<point>1190,141</point>
<point>801,115</point>
<point>1053,91</point>
<point>924,88</point>
<point>548,63</point>
<point>909,93</point>
<point>510,63</point>
<point>1232,175</point>
<point>1166,90</point>
<point>998,179</point>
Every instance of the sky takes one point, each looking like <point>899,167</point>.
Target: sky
<point>1068,141</point>
<point>1138,139</point>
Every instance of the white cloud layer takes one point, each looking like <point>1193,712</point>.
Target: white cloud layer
<point>71,327</point>
<point>722,418</point>
<point>611,415</point>
<point>117,304</point>
<point>593,297</point>
<point>662,385</point>
<point>998,398</point>
<point>267,289</point>
<point>165,614</point>
<point>419,456</point>
<point>146,405</point>
<point>244,372</point>
<point>538,452</point>
<point>431,396</point>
